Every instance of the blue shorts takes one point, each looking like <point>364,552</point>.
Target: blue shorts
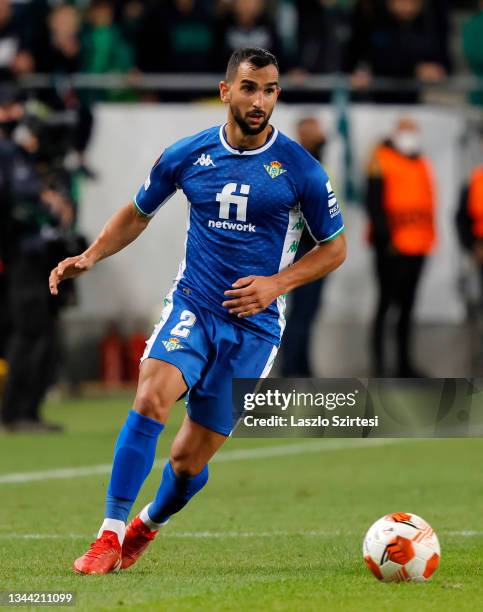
<point>209,351</point>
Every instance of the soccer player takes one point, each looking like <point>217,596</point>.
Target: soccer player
<point>249,189</point>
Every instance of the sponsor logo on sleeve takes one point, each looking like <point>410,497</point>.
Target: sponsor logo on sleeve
<point>332,201</point>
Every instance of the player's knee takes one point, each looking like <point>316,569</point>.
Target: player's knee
<point>185,465</point>
<point>153,403</point>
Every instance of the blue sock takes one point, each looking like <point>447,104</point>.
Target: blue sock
<point>133,459</point>
<point>174,493</point>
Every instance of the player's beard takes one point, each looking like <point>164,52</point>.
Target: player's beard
<point>243,125</point>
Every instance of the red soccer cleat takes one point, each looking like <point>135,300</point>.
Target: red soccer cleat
<point>103,556</point>
<point>138,537</point>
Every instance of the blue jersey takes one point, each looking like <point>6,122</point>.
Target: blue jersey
<point>246,212</point>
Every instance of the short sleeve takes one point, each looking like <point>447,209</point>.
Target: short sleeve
<point>160,184</point>
<point>319,205</point>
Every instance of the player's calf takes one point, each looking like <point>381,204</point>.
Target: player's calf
<point>133,459</point>
<point>173,494</point>
<point>160,384</point>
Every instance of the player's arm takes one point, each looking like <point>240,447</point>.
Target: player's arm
<point>119,231</point>
<point>315,264</point>
<point>252,294</point>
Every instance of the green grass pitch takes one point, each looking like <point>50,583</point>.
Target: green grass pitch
<point>273,530</point>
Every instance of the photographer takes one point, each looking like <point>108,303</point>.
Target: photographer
<point>39,213</point>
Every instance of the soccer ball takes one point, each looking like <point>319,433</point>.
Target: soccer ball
<point>401,547</point>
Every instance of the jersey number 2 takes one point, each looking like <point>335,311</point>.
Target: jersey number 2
<point>187,320</point>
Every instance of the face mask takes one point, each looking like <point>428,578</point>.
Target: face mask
<point>407,142</point>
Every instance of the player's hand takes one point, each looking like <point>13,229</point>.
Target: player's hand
<point>251,295</point>
<point>69,268</point>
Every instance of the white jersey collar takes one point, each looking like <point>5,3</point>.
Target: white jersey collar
<point>261,149</point>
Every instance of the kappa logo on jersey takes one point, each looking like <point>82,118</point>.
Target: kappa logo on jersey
<point>274,169</point>
<point>332,201</point>
<point>204,160</point>
<point>173,344</point>
<point>226,198</point>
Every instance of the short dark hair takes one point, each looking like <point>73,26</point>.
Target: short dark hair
<point>254,56</point>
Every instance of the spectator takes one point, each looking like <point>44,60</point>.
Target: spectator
<point>177,37</point>
<point>246,24</point>
<point>398,39</point>
<point>10,112</point>
<point>37,216</point>
<point>323,30</point>
<point>472,37</point>
<point>15,56</point>
<point>305,300</point>
<point>60,53</point>
<point>400,204</point>
<point>130,16</point>
<point>104,49</point>
<point>469,219</point>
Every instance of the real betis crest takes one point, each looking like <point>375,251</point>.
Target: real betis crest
<point>173,344</point>
<point>274,169</point>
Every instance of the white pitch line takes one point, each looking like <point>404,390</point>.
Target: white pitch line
<point>42,536</point>
<point>180,534</point>
<point>221,534</point>
<point>261,452</point>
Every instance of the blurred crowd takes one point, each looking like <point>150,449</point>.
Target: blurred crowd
<point>365,38</point>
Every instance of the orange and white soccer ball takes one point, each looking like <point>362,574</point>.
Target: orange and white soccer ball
<point>401,547</point>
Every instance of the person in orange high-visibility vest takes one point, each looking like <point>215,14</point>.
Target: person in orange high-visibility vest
<point>400,203</point>
<point>469,219</point>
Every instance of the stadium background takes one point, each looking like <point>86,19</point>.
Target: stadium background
<point>121,65</point>
<point>131,137</point>
<point>277,528</point>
